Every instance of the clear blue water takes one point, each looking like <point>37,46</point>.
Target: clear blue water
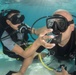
<point>34,9</point>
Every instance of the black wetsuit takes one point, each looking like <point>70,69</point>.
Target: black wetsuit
<point>63,52</point>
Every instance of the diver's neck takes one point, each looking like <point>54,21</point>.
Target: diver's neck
<point>64,42</point>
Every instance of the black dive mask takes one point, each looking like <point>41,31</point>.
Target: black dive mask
<point>17,19</point>
<point>58,23</point>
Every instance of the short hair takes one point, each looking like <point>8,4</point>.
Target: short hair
<point>63,13</point>
<point>61,10</point>
<point>5,15</point>
<point>12,11</point>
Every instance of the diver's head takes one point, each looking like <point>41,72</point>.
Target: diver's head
<point>62,23</point>
<point>14,19</point>
<point>67,21</point>
<point>69,24</point>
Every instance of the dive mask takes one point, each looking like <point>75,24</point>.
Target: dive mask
<point>58,23</point>
<point>17,19</point>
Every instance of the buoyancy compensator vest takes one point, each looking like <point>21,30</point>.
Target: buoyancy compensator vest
<point>13,34</point>
<point>15,39</point>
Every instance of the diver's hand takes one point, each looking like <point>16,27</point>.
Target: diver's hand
<point>64,72</point>
<point>18,73</point>
<point>41,41</point>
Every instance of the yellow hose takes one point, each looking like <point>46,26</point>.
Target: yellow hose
<point>39,55</point>
<point>44,63</point>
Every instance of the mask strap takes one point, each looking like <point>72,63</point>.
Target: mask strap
<point>57,15</point>
<point>70,22</point>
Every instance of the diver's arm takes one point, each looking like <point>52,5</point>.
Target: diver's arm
<point>38,31</point>
<point>63,72</point>
<point>35,31</point>
<point>40,41</point>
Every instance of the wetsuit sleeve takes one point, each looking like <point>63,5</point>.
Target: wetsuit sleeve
<point>74,73</point>
<point>7,41</point>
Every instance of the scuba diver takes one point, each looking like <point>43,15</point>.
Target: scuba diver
<point>14,38</point>
<point>64,29</point>
<point>64,32</point>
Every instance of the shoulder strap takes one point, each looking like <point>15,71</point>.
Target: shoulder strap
<point>75,35</point>
<point>75,44</point>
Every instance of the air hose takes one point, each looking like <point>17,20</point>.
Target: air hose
<point>51,69</point>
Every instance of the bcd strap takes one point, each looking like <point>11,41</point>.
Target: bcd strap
<point>75,35</point>
<point>10,72</point>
